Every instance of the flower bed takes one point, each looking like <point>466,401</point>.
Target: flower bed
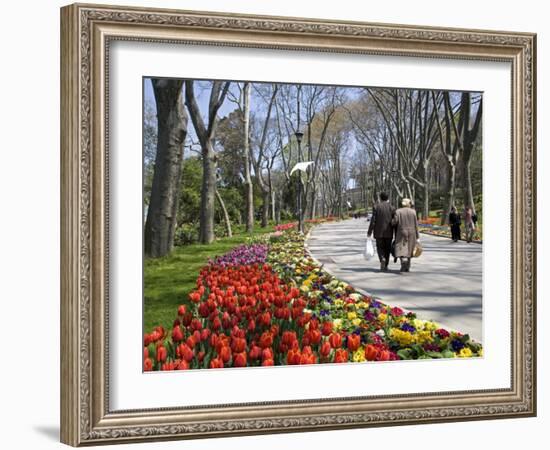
<point>444,231</point>
<point>270,304</point>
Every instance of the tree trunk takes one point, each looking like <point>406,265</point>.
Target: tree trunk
<point>468,194</point>
<point>469,137</point>
<point>278,209</point>
<point>450,197</point>
<point>208,193</point>
<point>273,205</point>
<point>225,215</point>
<point>160,224</point>
<point>249,188</point>
<point>313,201</point>
<point>265,207</point>
<point>426,188</point>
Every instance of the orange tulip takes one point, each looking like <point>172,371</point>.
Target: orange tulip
<point>341,356</point>
<point>371,352</point>
<point>354,341</point>
<point>335,340</point>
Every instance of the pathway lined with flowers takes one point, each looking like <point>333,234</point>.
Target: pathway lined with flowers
<point>444,285</point>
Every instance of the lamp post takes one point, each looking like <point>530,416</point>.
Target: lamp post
<point>299,135</point>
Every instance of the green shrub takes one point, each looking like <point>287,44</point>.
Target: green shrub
<point>187,233</point>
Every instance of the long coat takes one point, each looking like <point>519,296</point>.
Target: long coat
<point>381,221</point>
<point>406,233</point>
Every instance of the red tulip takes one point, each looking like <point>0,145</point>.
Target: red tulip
<point>237,332</point>
<point>145,353</point>
<point>226,320</point>
<point>314,336</point>
<point>191,341</point>
<point>225,353</point>
<point>255,352</point>
<point>326,328</point>
<point>283,348</point>
<point>335,340</point>
<point>196,324</point>
<point>147,365</point>
<point>288,337</point>
<point>185,352</point>
<point>197,336</point>
<point>216,324</point>
<point>268,362</point>
<point>200,356</point>
<point>182,310</point>
<point>265,319</point>
<point>308,358</point>
<point>186,319</point>
<point>216,363</point>
<point>341,356</point>
<point>194,297</point>
<point>214,340</point>
<point>204,310</point>
<point>267,353</point>
<point>161,353</point>
<point>354,341</point>
<point>205,334</point>
<point>384,355</point>
<point>168,366</point>
<point>147,339</point>
<point>371,352</point>
<point>183,365</point>
<point>238,345</point>
<point>239,360</point>
<point>251,325</point>
<point>293,357</point>
<point>325,349</point>
<point>266,339</point>
<point>177,334</point>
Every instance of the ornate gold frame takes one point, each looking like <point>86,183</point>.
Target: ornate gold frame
<point>86,31</point>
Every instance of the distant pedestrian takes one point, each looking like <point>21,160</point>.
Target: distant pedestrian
<point>381,225</point>
<point>406,233</point>
<point>454,222</point>
<point>470,220</point>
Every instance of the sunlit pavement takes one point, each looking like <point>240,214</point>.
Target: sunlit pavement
<point>444,284</point>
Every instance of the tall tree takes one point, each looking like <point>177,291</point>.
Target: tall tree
<point>451,148</point>
<point>160,224</point>
<point>260,157</point>
<point>469,136</point>
<point>205,133</point>
<point>249,189</point>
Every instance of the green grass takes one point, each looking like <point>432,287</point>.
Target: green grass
<point>168,280</point>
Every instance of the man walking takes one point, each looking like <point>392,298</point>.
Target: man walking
<point>381,224</point>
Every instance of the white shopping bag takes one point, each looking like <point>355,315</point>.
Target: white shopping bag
<point>369,249</point>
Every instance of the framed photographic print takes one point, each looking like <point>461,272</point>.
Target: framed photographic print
<point>278,224</point>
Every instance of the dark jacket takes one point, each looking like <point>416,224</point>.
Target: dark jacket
<point>454,218</point>
<point>381,221</point>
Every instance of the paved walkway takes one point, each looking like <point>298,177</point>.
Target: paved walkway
<point>444,284</point>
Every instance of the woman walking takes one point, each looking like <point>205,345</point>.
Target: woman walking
<point>454,222</point>
<point>469,223</point>
<point>406,233</point>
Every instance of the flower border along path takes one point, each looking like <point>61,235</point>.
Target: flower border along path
<point>270,303</point>
<point>443,231</point>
